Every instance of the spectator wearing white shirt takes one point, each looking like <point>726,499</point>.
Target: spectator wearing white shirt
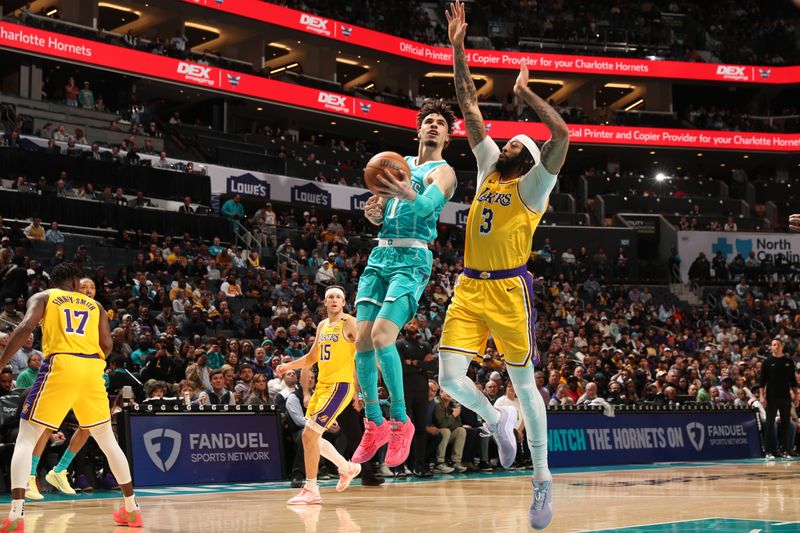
<point>283,386</point>
<point>325,275</point>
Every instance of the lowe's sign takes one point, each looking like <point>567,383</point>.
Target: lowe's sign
<point>765,246</point>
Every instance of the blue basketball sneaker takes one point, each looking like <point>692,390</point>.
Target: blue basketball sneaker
<point>541,511</point>
<point>503,433</point>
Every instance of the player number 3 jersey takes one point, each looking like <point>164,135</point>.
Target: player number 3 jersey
<point>71,324</point>
<point>501,223</point>
<point>336,353</point>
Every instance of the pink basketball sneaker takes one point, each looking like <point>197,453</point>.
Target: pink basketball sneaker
<point>400,436</point>
<point>346,477</point>
<point>306,497</point>
<point>374,437</point>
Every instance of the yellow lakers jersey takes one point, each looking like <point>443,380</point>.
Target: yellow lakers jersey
<point>500,226</point>
<point>337,354</point>
<point>71,324</point>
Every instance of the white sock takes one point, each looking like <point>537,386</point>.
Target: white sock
<point>131,504</point>
<point>311,484</point>
<point>105,439</point>
<point>22,459</point>
<point>535,415</point>
<point>329,452</point>
<point>17,509</point>
<point>454,380</point>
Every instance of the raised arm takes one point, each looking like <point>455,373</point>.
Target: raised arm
<point>465,87</point>
<point>554,151</point>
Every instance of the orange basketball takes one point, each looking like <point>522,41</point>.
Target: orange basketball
<point>391,162</point>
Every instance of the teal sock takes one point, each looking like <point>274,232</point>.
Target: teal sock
<point>35,464</point>
<point>367,370</point>
<point>65,461</point>
<point>392,370</point>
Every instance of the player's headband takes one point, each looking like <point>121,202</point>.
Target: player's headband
<point>528,143</point>
<point>335,290</point>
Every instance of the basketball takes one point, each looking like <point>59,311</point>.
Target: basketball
<point>392,162</point>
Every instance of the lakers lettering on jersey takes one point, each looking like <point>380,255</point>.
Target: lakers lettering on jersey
<point>71,324</point>
<point>399,219</point>
<point>501,220</point>
<point>337,353</point>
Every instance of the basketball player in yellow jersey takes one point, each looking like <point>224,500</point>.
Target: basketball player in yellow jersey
<point>75,338</point>
<point>495,292</point>
<point>59,476</point>
<point>334,351</point>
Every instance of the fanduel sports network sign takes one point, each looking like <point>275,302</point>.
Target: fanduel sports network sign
<point>731,244</point>
<point>64,47</point>
<point>557,63</point>
<point>583,439</point>
<point>196,448</point>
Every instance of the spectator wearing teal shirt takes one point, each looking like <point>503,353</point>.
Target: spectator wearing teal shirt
<point>215,249</point>
<point>233,210</point>
<point>28,376</point>
<point>141,355</point>
<point>215,359</point>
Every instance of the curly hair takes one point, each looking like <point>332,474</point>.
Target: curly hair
<point>64,273</point>
<point>437,106</point>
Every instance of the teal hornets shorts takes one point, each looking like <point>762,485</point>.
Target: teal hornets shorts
<point>392,284</point>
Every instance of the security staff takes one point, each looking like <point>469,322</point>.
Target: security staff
<point>778,382</point>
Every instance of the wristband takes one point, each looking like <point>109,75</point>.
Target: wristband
<point>429,202</point>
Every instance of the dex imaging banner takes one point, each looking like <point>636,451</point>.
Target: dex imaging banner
<point>556,63</point>
<point>65,47</point>
<point>594,439</point>
<point>731,244</point>
<point>197,448</point>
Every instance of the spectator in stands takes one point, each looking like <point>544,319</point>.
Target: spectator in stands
<point>80,137</point>
<point>19,361</point>
<point>71,91</point>
<point>325,275</point>
<point>141,201</point>
<point>60,135</point>
<point>119,198</point>
<point>233,211</point>
<point>53,234</point>
<point>28,376</point>
<point>178,43</point>
<point>10,315</point>
<point>34,231</point>
<point>447,418</point>
<point>700,269</point>
<point>258,393</point>
<point>186,207</point>
<point>217,394</point>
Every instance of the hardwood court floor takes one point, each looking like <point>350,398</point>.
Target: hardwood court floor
<point>749,496</point>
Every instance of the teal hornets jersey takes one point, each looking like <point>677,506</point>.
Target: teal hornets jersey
<point>399,219</point>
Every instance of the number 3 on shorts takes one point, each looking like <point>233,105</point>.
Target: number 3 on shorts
<point>486,225</point>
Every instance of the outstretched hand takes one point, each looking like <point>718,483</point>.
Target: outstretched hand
<point>373,210</point>
<point>522,78</point>
<point>456,23</point>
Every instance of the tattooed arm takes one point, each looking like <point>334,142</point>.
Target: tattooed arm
<point>465,87</point>
<point>554,151</point>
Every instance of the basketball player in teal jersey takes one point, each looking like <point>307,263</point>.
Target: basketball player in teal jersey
<point>397,273</point>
